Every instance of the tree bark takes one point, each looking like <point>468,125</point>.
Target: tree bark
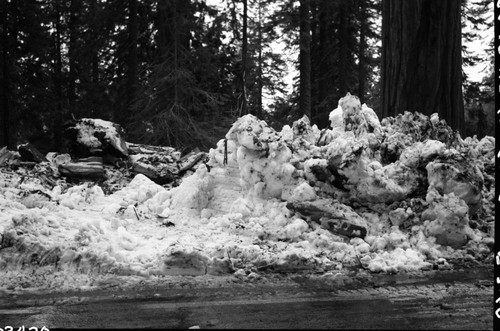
<point>244,59</point>
<point>324,62</point>
<point>95,49</point>
<point>6,141</point>
<point>343,49</point>
<point>362,49</point>
<point>305,58</point>
<point>72,56</point>
<point>58,123</point>
<point>259,63</point>
<point>132,53</point>
<point>421,59</point>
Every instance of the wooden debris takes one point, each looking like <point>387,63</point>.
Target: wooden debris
<point>332,216</point>
<point>30,153</point>
<point>96,137</point>
<point>91,167</point>
<point>163,165</point>
<point>189,160</point>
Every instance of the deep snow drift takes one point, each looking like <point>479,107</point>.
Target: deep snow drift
<point>424,195</point>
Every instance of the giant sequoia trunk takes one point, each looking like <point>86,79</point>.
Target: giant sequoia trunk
<point>305,58</point>
<point>244,59</point>
<point>421,59</point>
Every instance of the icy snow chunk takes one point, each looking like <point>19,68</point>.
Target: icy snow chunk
<point>252,133</point>
<point>455,175</point>
<point>434,118</point>
<point>140,189</point>
<point>314,168</point>
<point>420,152</point>
<point>127,241</point>
<point>303,192</point>
<point>194,192</point>
<point>446,219</point>
<point>393,182</point>
<point>371,118</point>
<point>354,118</point>
<point>397,238</point>
<point>398,216</point>
<point>397,260</point>
<point>225,150</point>
<point>296,228</point>
<point>337,119</point>
<point>242,206</point>
<point>287,133</point>
<point>79,195</point>
<point>302,129</point>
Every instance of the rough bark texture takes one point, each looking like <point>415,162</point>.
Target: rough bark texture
<point>343,49</point>
<point>421,59</point>
<point>58,121</point>
<point>132,52</point>
<point>362,49</point>
<point>5,114</point>
<point>305,58</point>
<point>72,54</point>
<point>244,60</point>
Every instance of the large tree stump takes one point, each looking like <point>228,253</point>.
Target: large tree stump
<point>96,137</point>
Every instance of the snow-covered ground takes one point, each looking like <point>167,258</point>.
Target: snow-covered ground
<point>424,195</point>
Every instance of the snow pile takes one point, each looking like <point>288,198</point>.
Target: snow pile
<point>414,192</point>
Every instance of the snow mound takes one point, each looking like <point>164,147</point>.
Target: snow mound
<point>402,194</point>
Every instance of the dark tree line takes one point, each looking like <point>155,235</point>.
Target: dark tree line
<point>178,72</point>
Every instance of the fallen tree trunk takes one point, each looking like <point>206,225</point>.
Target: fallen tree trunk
<point>90,167</point>
<point>163,165</point>
<point>332,218</point>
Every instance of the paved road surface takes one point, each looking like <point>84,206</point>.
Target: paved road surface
<point>443,301</point>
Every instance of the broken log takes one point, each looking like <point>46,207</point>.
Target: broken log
<point>30,153</point>
<point>189,160</point>
<point>151,149</point>
<point>162,165</point>
<point>90,167</point>
<point>332,216</point>
<point>158,174</point>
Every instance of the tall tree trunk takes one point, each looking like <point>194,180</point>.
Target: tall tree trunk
<point>313,9</point>
<point>343,50</point>
<point>421,59</point>
<point>132,55</point>
<point>58,123</point>
<point>5,116</point>
<point>325,60</point>
<point>244,59</point>
<point>72,55</point>
<point>259,62</point>
<point>362,49</point>
<point>305,58</point>
<point>95,49</point>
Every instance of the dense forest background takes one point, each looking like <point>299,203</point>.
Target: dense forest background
<point>179,72</point>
